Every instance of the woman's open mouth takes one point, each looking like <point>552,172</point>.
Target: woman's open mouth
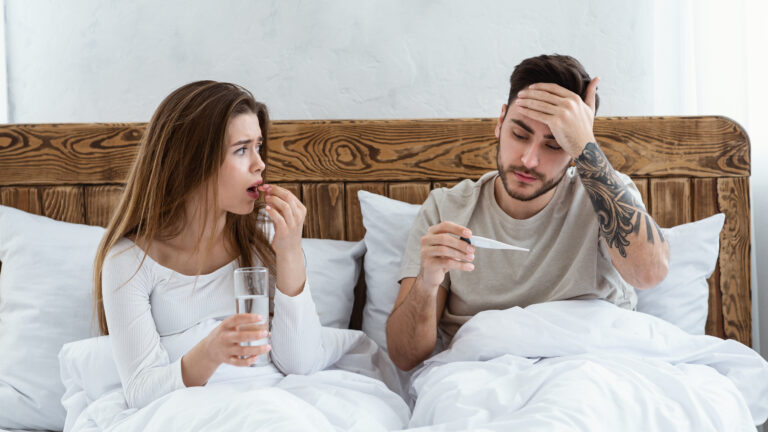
<point>253,191</point>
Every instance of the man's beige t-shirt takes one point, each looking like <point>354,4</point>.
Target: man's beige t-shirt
<point>567,259</point>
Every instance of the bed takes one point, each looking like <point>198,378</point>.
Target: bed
<point>686,168</point>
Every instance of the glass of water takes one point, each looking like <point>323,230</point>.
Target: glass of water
<point>252,296</point>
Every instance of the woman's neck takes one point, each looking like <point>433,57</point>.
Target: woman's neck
<point>199,247</point>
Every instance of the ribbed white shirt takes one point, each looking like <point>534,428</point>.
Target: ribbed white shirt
<point>146,306</point>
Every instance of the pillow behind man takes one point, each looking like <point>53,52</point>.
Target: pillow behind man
<point>681,298</point>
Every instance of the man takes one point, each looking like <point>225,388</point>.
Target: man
<point>554,193</point>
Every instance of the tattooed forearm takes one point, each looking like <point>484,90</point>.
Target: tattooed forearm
<point>618,211</point>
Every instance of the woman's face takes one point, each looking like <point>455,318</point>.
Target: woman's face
<point>241,171</point>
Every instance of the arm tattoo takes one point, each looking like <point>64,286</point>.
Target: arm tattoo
<point>618,211</point>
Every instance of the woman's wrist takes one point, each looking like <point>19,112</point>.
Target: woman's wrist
<point>291,273</point>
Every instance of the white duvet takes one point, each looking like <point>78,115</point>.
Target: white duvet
<point>588,366</point>
<point>350,396</point>
<point>571,365</point>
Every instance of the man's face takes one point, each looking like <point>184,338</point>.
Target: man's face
<point>529,160</point>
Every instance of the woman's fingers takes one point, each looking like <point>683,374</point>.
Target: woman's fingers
<point>248,336</point>
<point>237,320</point>
<point>285,209</point>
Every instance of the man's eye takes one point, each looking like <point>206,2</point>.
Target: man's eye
<point>554,146</point>
<point>520,137</point>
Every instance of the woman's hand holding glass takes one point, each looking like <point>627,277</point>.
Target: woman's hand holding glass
<point>223,343</point>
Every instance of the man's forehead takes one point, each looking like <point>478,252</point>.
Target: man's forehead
<point>515,115</point>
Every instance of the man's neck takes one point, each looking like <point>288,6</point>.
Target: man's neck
<point>517,209</point>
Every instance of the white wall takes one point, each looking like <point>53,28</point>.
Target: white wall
<point>95,60</point>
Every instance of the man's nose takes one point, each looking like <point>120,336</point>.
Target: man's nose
<point>530,158</point>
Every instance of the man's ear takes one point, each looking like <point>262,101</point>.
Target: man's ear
<point>501,120</point>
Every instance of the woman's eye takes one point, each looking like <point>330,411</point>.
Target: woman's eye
<point>241,151</point>
<point>258,149</point>
<point>554,146</point>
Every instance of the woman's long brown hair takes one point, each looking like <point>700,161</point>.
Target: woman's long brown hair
<point>180,153</point>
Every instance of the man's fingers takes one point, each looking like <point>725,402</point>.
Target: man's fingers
<point>440,251</point>
<point>537,115</point>
<point>591,92</point>
<point>451,228</point>
<point>541,95</point>
<point>552,88</point>
<point>450,241</point>
<point>540,106</point>
<point>452,264</point>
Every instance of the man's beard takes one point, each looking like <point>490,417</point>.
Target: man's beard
<point>546,187</point>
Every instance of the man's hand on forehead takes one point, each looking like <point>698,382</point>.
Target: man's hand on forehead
<point>568,116</point>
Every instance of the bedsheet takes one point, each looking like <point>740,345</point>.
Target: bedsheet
<point>588,365</point>
<point>362,391</point>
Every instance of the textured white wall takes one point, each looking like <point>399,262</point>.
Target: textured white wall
<point>95,60</point>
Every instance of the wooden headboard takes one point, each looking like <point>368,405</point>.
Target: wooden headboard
<point>687,168</point>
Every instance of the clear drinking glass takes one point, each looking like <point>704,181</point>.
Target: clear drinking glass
<point>252,296</point>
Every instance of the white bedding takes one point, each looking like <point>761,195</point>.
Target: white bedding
<point>352,396</point>
<point>588,365</point>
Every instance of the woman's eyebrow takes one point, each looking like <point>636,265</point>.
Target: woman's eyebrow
<point>259,140</point>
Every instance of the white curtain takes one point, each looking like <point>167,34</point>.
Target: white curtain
<point>3,68</point>
<point>711,57</point>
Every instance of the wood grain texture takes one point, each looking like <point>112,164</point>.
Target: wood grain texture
<point>418,150</point>
<point>64,203</point>
<point>294,188</point>
<point>325,210</point>
<point>93,153</point>
<point>378,150</point>
<point>642,185</point>
<point>413,192</point>
<point>687,168</point>
<point>707,146</point>
<point>670,201</point>
<point>100,203</point>
<point>23,198</point>
<point>735,283</point>
<point>705,205</point>
<point>355,229</point>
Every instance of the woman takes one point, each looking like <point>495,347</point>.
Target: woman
<point>189,216</point>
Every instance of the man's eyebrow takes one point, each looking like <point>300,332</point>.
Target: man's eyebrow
<point>528,128</point>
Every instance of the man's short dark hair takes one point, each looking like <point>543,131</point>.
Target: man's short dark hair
<point>562,70</point>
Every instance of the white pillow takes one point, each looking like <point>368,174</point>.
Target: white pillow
<point>45,302</point>
<point>682,298</point>
<point>387,224</point>
<point>333,267</point>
